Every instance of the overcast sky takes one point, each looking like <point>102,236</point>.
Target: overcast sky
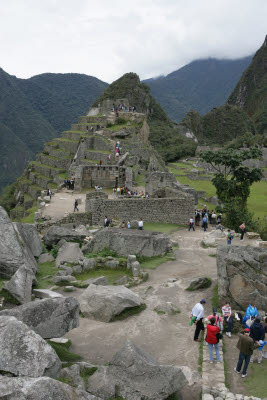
<point>106,38</point>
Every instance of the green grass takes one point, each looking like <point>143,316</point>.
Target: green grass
<point>86,372</point>
<point>162,227</point>
<point>255,382</point>
<point>2,283</point>
<point>29,219</point>
<point>154,262</point>
<point>215,297</point>
<point>226,367</point>
<point>67,380</point>
<point>112,275</point>
<point>128,312</point>
<point>140,180</point>
<point>48,268</point>
<point>62,350</point>
<point>200,355</point>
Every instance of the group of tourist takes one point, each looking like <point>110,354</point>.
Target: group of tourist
<point>69,183</point>
<point>124,191</point>
<point>251,338</point>
<point>117,149</point>
<point>123,107</point>
<point>140,224</point>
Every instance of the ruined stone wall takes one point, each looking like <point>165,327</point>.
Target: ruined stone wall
<point>104,176</point>
<point>170,210</point>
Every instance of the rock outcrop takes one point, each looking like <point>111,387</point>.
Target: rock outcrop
<point>103,303</point>
<point>56,233</point>
<point>242,275</point>
<point>24,353</point>
<point>49,318</point>
<point>134,375</point>
<point>14,252</point>
<point>43,388</point>
<point>30,236</point>
<point>69,253</point>
<point>20,285</point>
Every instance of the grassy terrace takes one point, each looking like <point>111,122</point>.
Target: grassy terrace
<point>66,140</point>
<point>46,166</point>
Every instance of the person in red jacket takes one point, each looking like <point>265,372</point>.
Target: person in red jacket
<point>212,339</point>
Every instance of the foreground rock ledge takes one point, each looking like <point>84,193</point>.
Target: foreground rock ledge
<point>134,375</point>
<point>48,317</point>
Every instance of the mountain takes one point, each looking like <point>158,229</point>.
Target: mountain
<point>33,111</point>
<point>166,136</point>
<point>250,94</point>
<point>200,86</point>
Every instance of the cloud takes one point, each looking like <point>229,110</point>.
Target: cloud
<point>107,39</point>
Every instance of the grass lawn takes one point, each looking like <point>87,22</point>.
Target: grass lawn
<point>154,262</point>
<point>112,275</point>
<point>255,382</point>
<point>48,268</point>
<point>160,227</point>
<point>30,218</point>
<point>140,180</point>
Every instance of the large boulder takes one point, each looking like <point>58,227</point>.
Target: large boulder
<point>213,238</point>
<point>20,285</point>
<point>24,353</point>
<point>46,257</point>
<point>30,236</point>
<point>103,303</point>
<point>242,275</point>
<point>130,241</point>
<point>56,233</point>
<point>69,253</point>
<point>46,294</point>
<point>133,375</point>
<point>49,318</point>
<point>14,252</point>
<point>43,388</point>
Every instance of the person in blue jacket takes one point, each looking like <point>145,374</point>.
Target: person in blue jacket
<point>251,312</point>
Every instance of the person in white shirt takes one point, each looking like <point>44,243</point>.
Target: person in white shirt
<point>198,312</point>
<point>140,224</point>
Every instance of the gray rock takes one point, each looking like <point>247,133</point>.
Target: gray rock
<point>199,283</point>
<point>46,294</point>
<point>136,269</point>
<point>30,236</point>
<point>69,253</point>
<point>242,275</point>
<point>130,260</point>
<point>61,242</point>
<point>73,374</point>
<point>122,281</point>
<point>67,270</point>
<point>24,353</point>
<point>134,375</point>
<point>56,233</point>
<point>49,318</point>
<point>46,257</point>
<point>89,263</point>
<point>69,289</point>
<point>14,252</point>
<point>62,279</point>
<point>77,269</point>
<point>128,241</point>
<point>134,224</point>
<point>101,280</point>
<point>43,388</point>
<point>20,285</point>
<point>113,264</point>
<point>105,302</point>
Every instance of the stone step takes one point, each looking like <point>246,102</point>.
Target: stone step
<point>92,119</point>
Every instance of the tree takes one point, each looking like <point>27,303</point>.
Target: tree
<point>233,180</point>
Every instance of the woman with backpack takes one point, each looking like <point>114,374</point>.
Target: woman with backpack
<point>212,339</point>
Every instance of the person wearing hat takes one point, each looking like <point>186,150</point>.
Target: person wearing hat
<point>245,346</point>
<point>198,312</point>
<point>257,333</point>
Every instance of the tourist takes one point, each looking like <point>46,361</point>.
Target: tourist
<point>213,218</point>
<point>245,346</point>
<point>227,317</point>
<point>123,225</point>
<point>264,347</point>
<point>230,237</point>
<point>106,222</point>
<point>198,312</point>
<point>140,224</point>
<point>197,217</point>
<point>212,339</point>
<point>257,333</point>
<point>218,319</point>
<point>219,219</point>
<point>92,129</point>
<point>87,129</point>
<point>100,162</point>
<point>128,225</point>
<point>76,205</point>
<point>191,224</point>
<point>250,315</point>
<point>205,223</point>
<point>114,192</point>
<point>49,193</point>
<point>243,230</point>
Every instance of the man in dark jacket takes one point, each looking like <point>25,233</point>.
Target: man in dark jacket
<point>245,346</point>
<point>257,332</point>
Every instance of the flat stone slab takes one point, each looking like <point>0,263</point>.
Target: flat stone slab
<point>46,294</point>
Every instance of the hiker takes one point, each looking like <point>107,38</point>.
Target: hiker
<point>128,225</point>
<point>205,223</point>
<point>212,339</point>
<point>243,230</point>
<point>76,205</point>
<point>49,193</point>
<point>191,224</point>
<point>92,129</point>
<point>230,237</point>
<point>219,219</point>
<point>123,225</point>
<point>106,222</point>
<point>227,317</point>
<point>198,313</point>
<point>250,315</point>
<point>140,224</point>
<point>213,218</point>
<point>245,346</point>
<point>257,333</point>
<point>218,318</point>
<point>87,129</point>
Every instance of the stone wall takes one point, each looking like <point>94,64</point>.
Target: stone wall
<point>242,275</point>
<point>169,210</point>
<point>108,176</point>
